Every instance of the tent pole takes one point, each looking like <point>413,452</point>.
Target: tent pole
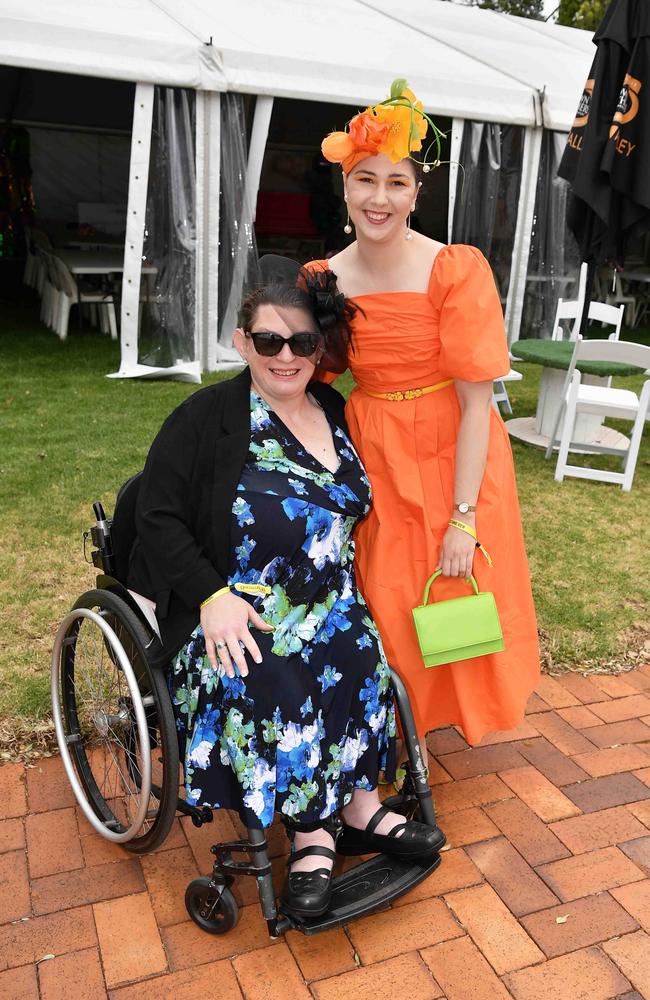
<point>135,221</point>
<point>523,232</point>
<point>208,173</point>
<point>454,161</point>
<point>259,135</point>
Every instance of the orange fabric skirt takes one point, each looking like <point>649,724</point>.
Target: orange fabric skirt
<point>408,449</point>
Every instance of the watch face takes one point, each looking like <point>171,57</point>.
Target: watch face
<point>463,507</point>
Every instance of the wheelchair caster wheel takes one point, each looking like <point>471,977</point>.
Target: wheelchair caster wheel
<point>212,912</point>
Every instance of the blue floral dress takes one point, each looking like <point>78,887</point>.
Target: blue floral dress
<point>315,719</point>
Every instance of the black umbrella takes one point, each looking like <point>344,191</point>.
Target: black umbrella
<point>607,158</point>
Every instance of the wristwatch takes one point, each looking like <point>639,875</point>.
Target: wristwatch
<point>464,508</point>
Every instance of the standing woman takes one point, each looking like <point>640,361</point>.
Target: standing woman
<point>427,342</point>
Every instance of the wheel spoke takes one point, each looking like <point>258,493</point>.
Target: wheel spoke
<point>110,711</point>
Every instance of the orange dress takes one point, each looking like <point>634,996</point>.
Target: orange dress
<point>405,340</point>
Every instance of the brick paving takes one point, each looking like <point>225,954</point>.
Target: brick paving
<point>544,891</point>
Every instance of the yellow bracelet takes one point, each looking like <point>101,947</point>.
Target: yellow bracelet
<point>467,528</point>
<point>217,593</point>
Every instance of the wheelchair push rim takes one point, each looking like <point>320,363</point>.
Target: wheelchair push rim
<point>113,730</point>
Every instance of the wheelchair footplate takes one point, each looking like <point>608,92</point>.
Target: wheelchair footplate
<point>369,886</point>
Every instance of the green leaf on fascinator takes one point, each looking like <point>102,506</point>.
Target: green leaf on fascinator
<point>397,88</point>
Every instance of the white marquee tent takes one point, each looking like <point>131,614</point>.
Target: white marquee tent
<point>464,63</point>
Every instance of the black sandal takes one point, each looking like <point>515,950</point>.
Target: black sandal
<point>416,840</point>
<point>307,894</point>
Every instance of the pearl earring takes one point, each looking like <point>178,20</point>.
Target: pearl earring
<point>408,235</point>
<point>347,228</point>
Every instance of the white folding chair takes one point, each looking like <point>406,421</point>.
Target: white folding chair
<point>40,244</point>
<point>599,312</point>
<point>32,263</point>
<point>608,315</point>
<point>48,288</point>
<point>623,404</point>
<point>500,396</point>
<point>70,294</point>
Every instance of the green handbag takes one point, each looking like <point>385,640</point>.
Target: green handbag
<point>459,628</point>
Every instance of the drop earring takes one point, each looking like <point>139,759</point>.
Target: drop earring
<point>409,235</point>
<point>347,228</point>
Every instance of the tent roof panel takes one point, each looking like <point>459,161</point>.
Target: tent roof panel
<point>120,39</point>
<point>461,61</point>
<point>295,49</point>
<point>550,61</point>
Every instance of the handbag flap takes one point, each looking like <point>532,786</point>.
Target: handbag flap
<point>461,621</point>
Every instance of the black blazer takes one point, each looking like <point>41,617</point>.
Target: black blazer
<point>182,550</point>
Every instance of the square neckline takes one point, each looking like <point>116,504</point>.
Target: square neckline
<point>367,295</point>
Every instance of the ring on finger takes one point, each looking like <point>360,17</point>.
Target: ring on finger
<point>221,644</point>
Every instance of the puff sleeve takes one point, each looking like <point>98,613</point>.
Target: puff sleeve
<point>473,344</point>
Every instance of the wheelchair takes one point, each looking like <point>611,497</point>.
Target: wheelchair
<point>117,737</point>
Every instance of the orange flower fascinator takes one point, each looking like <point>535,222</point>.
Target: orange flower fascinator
<point>395,127</point>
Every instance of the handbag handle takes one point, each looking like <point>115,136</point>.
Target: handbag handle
<point>434,576</point>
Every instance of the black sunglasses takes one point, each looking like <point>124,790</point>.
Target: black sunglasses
<point>302,345</point>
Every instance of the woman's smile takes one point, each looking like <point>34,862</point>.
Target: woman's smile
<point>376,218</point>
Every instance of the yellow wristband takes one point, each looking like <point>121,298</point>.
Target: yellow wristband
<point>467,528</point>
<point>470,531</point>
<point>217,593</point>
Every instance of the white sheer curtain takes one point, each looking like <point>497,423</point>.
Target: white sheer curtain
<point>237,242</point>
<point>167,329</point>
<point>554,261</point>
<point>487,193</point>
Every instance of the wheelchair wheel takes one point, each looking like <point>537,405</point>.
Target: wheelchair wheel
<point>114,723</point>
<point>216,913</point>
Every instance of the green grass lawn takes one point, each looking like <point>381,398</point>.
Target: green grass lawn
<point>69,436</point>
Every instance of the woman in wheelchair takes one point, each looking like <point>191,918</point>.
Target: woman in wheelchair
<point>246,509</point>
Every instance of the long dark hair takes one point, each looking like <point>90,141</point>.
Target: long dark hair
<point>317,293</point>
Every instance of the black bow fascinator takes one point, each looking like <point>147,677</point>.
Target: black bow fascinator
<point>332,312</point>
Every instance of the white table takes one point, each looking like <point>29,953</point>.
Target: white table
<point>642,276</point>
<point>588,429</point>
<point>101,261</point>
<point>87,243</point>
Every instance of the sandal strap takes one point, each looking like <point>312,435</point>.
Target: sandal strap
<point>376,819</point>
<point>307,852</point>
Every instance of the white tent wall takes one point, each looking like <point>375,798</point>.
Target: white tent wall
<point>208,160</point>
<point>463,62</point>
<point>521,247</point>
<point>455,142</point>
<point>257,145</point>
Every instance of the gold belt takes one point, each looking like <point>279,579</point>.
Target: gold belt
<point>401,394</point>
